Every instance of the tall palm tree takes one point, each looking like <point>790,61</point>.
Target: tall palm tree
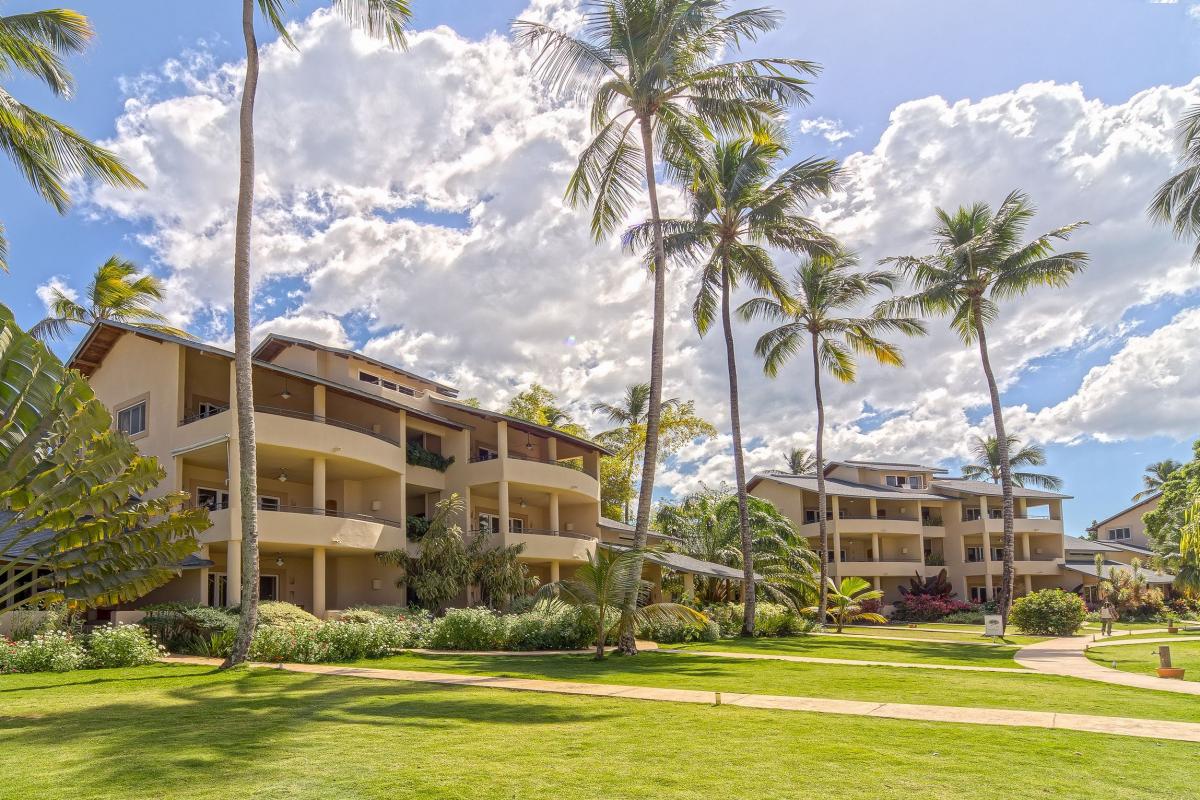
<point>116,293</point>
<point>653,72</point>
<point>739,208</point>
<point>1156,474</point>
<point>1177,201</point>
<point>979,260</point>
<point>45,151</point>
<point>801,461</point>
<point>826,287</point>
<point>376,17</point>
<point>987,463</point>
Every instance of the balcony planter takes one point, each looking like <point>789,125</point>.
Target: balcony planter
<point>1174,673</point>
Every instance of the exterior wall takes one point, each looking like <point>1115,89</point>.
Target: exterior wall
<point>1132,519</point>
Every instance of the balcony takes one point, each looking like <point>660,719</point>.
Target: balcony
<point>890,524</point>
<point>314,527</point>
<point>565,475</point>
<point>891,567</point>
<point>1022,523</point>
<point>542,544</point>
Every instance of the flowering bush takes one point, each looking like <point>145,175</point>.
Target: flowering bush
<point>331,641</point>
<point>274,613</point>
<point>1050,612</point>
<point>45,652</point>
<point>672,631</point>
<point>928,608</point>
<point>122,646</point>
<point>468,629</point>
<point>770,619</point>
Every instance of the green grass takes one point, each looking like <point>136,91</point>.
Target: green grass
<point>1143,658</point>
<point>882,684</point>
<point>911,652</point>
<point>1133,637</point>
<point>963,633</point>
<point>1128,626</point>
<point>189,732</point>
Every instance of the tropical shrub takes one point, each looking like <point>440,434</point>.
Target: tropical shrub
<point>45,652</point>
<point>276,614</point>
<point>549,625</point>
<point>189,628</point>
<point>1186,607</point>
<point>121,646</point>
<point>330,641</point>
<point>927,608</point>
<point>44,618</point>
<point>1049,612</point>
<point>972,617</point>
<point>361,616</point>
<point>770,619</point>
<point>673,631</point>
<point>468,629</point>
<point>418,456</point>
<point>931,586</point>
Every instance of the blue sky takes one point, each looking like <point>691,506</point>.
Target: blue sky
<point>876,56</point>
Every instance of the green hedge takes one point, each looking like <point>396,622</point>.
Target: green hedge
<point>1049,612</point>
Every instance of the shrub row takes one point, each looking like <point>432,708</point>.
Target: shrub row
<point>59,651</point>
<point>770,619</point>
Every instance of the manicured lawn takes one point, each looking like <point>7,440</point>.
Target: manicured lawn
<point>1129,626</point>
<point>1182,635</point>
<point>1143,658</point>
<point>189,732</point>
<point>965,633</point>
<point>914,652</point>
<point>882,684</point>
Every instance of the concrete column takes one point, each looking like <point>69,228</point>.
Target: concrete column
<point>403,500</point>
<point>318,484</point>
<point>962,546</point>
<point>1025,546</point>
<point>837,539</point>
<point>964,592</point>
<point>319,400</point>
<point>502,441</point>
<point>404,435</point>
<point>203,577</point>
<point>177,479</point>
<point>689,586</point>
<point>987,580</point>
<point>554,511</point>
<point>983,509</point>
<point>875,548</point>
<point>233,573</point>
<point>873,507</point>
<point>552,448</point>
<point>554,574</point>
<point>318,581</point>
<point>1022,506</point>
<point>875,582</point>
<point>1028,584</point>
<point>503,495</point>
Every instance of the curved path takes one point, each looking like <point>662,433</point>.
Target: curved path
<point>1066,657</point>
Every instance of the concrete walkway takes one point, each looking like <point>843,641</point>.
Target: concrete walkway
<point>1124,641</point>
<point>852,662</point>
<point>1120,726</point>
<point>1066,657</point>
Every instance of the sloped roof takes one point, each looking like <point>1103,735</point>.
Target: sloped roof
<point>1086,545</point>
<point>1151,499</point>
<point>524,425</point>
<point>683,563</point>
<point>275,343</point>
<point>843,488</point>
<point>884,465</point>
<point>1130,548</point>
<point>993,489</point>
<point>1089,568</point>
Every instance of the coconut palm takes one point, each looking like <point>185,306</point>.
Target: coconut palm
<point>117,293</point>
<point>46,152</point>
<point>654,75</point>
<point>846,601</point>
<point>679,425</point>
<point>801,461</point>
<point>987,463</point>
<point>377,17</point>
<point>600,587</point>
<point>825,287</point>
<point>1177,202</point>
<point>739,208</point>
<point>979,260</point>
<point>1156,474</point>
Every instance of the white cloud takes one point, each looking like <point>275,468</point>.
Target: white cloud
<point>829,129</point>
<point>46,291</point>
<point>369,158</point>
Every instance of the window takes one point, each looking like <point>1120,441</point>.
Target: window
<point>1116,534</point>
<point>974,554</point>
<point>212,499</point>
<point>268,503</point>
<point>979,594</point>
<point>218,584</point>
<point>387,384</point>
<point>132,419</point>
<point>895,480</point>
<point>268,587</point>
<point>489,522</point>
<point>484,453</point>
<point>367,377</point>
<point>996,513</point>
<point>881,513</point>
<point>207,409</point>
<point>997,554</point>
<point>829,554</point>
<point>516,525</point>
<point>971,514</point>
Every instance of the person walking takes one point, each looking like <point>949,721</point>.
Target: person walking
<point>1107,615</point>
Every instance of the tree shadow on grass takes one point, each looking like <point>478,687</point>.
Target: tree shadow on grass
<point>144,740</point>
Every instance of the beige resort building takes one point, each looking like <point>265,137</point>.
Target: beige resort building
<point>349,450</point>
<point>890,522</point>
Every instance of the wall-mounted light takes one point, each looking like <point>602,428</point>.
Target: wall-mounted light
<point>376,505</point>
<point>279,561</point>
<point>522,503</point>
<point>285,394</point>
<point>528,442</point>
<point>376,584</point>
<point>282,477</point>
<point>904,551</point>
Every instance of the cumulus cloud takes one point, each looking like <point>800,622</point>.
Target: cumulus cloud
<point>47,291</point>
<point>411,205</point>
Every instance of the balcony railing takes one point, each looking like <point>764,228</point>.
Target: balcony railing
<point>932,522</point>
<point>880,517</point>
<point>568,463</point>
<point>1016,515</point>
<point>294,414</point>
<point>857,559</point>
<point>318,512</point>
<point>546,532</point>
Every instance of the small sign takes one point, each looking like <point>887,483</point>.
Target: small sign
<point>993,625</point>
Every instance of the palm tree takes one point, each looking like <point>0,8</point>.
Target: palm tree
<point>739,208</point>
<point>653,72</point>
<point>1177,202</point>
<point>824,287</point>
<point>115,293</point>
<point>1156,475</point>
<point>600,586</point>
<point>846,603</point>
<point>45,151</point>
<point>801,461</point>
<point>386,17</point>
<point>679,425</point>
<point>987,463</point>
<point>980,260</point>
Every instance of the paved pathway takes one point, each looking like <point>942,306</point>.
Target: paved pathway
<point>1121,726</point>
<point>1065,656</point>
<point>846,661</point>
<point>1124,641</point>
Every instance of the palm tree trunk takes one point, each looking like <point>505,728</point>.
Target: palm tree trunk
<point>822,590</point>
<point>243,370</point>
<point>626,643</point>
<point>739,466</point>
<point>1008,579</point>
